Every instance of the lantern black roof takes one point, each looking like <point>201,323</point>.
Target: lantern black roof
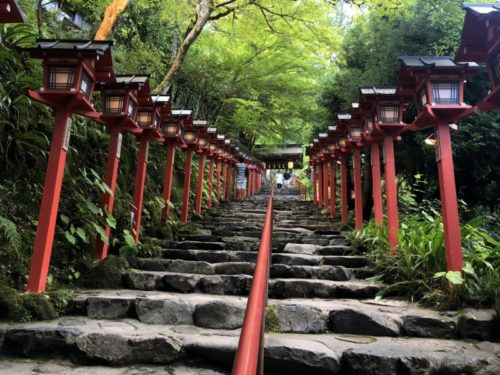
<point>482,8</point>
<point>161,99</point>
<point>181,112</point>
<point>381,90</point>
<point>98,47</point>
<point>475,42</point>
<point>200,123</point>
<point>140,79</point>
<point>426,62</point>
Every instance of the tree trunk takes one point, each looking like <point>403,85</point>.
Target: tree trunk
<point>39,18</point>
<point>113,11</point>
<point>203,11</point>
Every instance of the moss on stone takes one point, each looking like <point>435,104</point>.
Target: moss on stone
<point>60,299</point>
<point>272,319</point>
<point>106,273</point>
<point>150,250</point>
<point>39,306</point>
<point>165,232</point>
<point>11,305</point>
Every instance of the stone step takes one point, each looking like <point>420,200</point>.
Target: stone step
<point>200,245</point>
<point>240,285</point>
<point>129,342</point>
<point>64,367</point>
<point>279,258</point>
<point>389,317</point>
<point>316,260</point>
<point>337,273</point>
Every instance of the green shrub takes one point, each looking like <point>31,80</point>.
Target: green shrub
<point>418,269</point>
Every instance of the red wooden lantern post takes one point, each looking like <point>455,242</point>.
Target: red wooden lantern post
<point>10,12</point>
<point>354,137</point>
<point>71,69</point>
<point>119,110</point>
<point>343,120</point>
<point>149,119</point>
<point>371,138</point>
<point>203,150</point>
<point>437,84</point>
<point>325,157</point>
<point>190,138</point>
<point>331,154</point>
<point>172,134</point>
<point>480,35</point>
<point>384,122</point>
<point>212,154</point>
<point>220,156</point>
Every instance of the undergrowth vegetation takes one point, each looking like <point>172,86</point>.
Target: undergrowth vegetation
<point>417,269</point>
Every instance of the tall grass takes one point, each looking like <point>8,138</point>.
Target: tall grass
<point>418,269</point>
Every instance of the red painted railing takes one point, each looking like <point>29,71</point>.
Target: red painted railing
<point>249,358</point>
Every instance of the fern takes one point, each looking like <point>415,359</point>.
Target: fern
<point>8,231</point>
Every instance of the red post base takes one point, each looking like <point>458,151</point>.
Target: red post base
<point>378,212</point>
<point>343,188</point>
<point>168,181</point>
<point>199,187</point>
<point>140,179</point>
<point>358,192</point>
<point>449,207</point>
<point>391,192</point>
<point>210,181</point>
<point>101,250</point>
<point>50,204</point>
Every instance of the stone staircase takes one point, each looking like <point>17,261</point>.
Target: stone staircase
<point>182,313</point>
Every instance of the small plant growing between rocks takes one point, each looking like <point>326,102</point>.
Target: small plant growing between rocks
<point>272,319</point>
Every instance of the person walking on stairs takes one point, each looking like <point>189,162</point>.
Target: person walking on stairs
<point>241,178</point>
<point>286,179</point>
<point>279,180</point>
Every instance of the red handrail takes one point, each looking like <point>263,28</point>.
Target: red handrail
<point>249,358</point>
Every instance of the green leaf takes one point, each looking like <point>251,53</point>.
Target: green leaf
<point>64,219</point>
<point>454,277</point>
<point>437,275</point>
<point>468,269</point>
<point>71,239</point>
<point>102,233</point>
<point>128,238</point>
<point>111,221</point>
<point>82,234</point>
<point>93,208</point>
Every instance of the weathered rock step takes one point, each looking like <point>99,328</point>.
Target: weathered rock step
<point>214,256</point>
<point>240,285</point>
<point>128,342</point>
<point>364,317</point>
<point>63,367</point>
<point>338,273</point>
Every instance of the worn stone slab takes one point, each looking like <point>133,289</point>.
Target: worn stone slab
<point>337,273</point>
<point>200,245</point>
<point>163,311</point>
<point>296,248</point>
<point>334,250</point>
<point>219,314</point>
<point>359,322</point>
<point>62,367</point>
<point>479,324</point>
<point>241,243</point>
